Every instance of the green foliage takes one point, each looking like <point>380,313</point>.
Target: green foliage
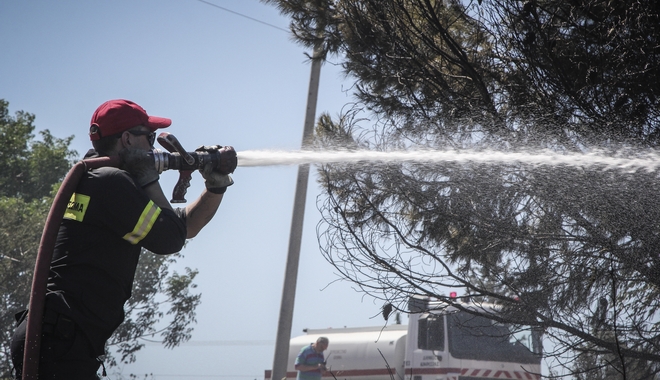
<point>30,167</point>
<point>30,171</point>
<point>20,232</point>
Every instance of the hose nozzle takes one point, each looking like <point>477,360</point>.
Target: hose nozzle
<point>223,159</point>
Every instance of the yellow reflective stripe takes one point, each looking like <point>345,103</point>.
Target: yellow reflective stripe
<point>144,224</point>
<point>77,207</point>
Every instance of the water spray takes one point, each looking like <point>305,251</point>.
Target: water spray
<point>598,159</point>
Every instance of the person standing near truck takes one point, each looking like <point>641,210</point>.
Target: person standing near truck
<point>113,214</point>
<point>310,362</point>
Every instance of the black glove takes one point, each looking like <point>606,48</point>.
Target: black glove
<point>140,165</point>
<point>215,181</point>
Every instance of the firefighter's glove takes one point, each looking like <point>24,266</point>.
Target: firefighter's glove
<point>215,181</point>
<point>140,165</point>
<point>225,155</point>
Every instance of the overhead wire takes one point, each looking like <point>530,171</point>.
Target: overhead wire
<point>242,15</point>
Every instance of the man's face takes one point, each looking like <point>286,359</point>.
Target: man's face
<point>142,138</point>
<point>320,347</point>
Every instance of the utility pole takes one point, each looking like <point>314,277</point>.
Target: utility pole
<point>281,358</point>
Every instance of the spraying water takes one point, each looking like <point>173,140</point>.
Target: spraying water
<point>648,162</point>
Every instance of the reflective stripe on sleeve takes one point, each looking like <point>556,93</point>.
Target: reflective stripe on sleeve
<point>144,224</point>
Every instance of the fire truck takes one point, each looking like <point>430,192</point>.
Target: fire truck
<point>439,343</point>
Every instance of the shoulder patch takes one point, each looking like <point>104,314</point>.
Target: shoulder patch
<point>77,207</point>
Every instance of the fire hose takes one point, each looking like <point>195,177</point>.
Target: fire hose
<point>175,159</point>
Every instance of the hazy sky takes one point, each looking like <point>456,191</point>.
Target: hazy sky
<point>223,79</point>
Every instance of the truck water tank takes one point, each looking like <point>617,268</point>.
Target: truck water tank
<point>362,353</point>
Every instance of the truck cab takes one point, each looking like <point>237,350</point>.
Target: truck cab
<point>446,343</point>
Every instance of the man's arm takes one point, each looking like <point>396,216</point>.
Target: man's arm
<point>301,365</point>
<point>198,213</point>
<point>201,211</point>
<point>307,368</point>
<point>216,181</point>
<point>156,194</point>
<point>140,166</point>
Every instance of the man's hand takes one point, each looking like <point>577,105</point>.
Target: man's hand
<point>215,181</point>
<point>218,179</point>
<point>140,165</point>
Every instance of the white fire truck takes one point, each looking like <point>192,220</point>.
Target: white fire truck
<point>439,343</point>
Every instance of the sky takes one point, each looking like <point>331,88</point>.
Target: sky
<point>226,73</point>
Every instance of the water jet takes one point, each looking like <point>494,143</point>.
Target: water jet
<point>595,159</point>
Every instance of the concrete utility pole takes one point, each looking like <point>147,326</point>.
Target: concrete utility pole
<point>281,358</point>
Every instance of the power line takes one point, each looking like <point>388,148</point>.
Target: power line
<point>242,15</point>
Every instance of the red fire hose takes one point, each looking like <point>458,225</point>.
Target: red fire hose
<point>44,256</point>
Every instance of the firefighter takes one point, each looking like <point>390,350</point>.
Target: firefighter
<point>113,214</point>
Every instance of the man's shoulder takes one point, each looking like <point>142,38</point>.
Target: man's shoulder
<point>107,172</point>
<point>306,348</point>
<point>107,180</point>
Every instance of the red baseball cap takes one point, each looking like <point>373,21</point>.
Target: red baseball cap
<point>119,115</point>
